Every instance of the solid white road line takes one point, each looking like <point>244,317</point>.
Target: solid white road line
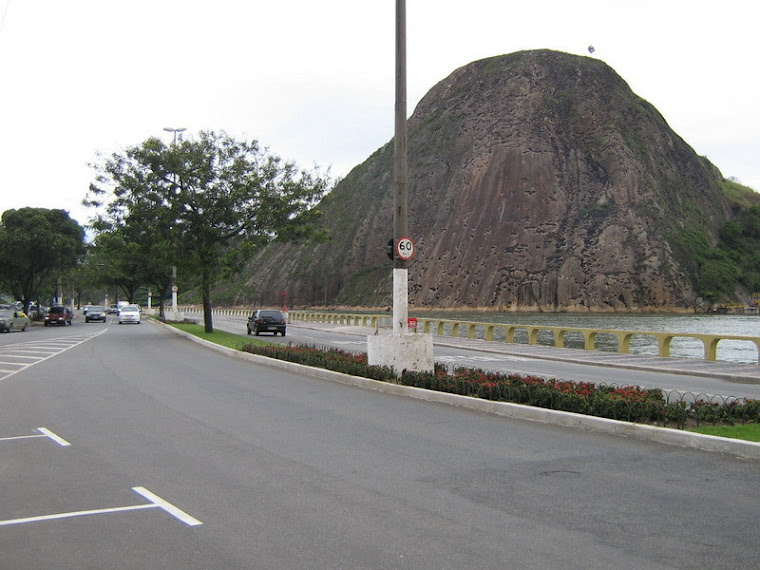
<point>20,437</point>
<point>74,514</point>
<point>168,507</point>
<point>44,432</point>
<point>156,502</point>
<point>55,437</point>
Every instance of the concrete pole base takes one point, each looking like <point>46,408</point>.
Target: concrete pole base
<point>413,352</point>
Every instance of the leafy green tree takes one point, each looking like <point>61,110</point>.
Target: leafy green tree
<point>136,250</point>
<point>731,237</point>
<point>735,261</point>
<point>89,280</point>
<point>717,278</point>
<point>124,262</point>
<point>204,203</point>
<point>37,245</point>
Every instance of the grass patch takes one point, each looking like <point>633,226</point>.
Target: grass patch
<point>748,432</point>
<point>740,194</point>
<point>222,338</point>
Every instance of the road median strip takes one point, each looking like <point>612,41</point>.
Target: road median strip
<point>667,436</point>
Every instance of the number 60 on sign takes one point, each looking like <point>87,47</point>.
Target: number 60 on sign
<point>405,248</point>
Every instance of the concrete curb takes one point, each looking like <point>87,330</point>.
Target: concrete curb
<point>667,436</point>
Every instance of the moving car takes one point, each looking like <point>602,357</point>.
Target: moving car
<point>11,319</point>
<point>95,313</point>
<point>129,314</point>
<point>59,315</point>
<point>267,320</point>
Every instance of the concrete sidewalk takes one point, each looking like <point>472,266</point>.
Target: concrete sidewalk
<point>732,372</point>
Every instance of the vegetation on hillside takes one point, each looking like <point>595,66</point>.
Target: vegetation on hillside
<point>734,262</point>
<point>742,195</point>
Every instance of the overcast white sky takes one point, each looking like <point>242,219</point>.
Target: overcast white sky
<point>313,79</point>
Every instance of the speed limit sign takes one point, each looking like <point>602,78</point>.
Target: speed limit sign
<point>405,248</point>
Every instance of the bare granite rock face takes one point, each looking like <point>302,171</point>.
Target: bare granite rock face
<point>538,181</point>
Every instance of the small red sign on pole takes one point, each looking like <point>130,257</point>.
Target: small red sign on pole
<point>411,323</point>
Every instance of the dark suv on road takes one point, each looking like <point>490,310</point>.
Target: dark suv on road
<point>267,320</point>
<point>59,316</point>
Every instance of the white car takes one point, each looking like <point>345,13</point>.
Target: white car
<point>129,314</point>
<point>13,320</point>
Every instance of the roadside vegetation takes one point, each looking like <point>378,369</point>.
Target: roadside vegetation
<point>192,212</point>
<point>738,419</point>
<point>222,338</point>
<point>749,432</point>
<point>40,251</point>
<point>188,214</point>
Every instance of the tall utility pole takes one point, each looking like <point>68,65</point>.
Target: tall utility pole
<point>400,179</point>
<point>401,350</point>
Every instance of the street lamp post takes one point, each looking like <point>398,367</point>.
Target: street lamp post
<point>174,267</point>
<point>175,131</point>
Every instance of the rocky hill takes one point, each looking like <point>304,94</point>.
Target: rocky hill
<point>538,181</point>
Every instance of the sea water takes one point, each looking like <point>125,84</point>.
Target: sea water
<point>728,350</point>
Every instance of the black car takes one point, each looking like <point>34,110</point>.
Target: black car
<point>267,320</point>
<point>95,313</point>
<point>59,315</point>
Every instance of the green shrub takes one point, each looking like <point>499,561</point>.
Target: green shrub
<point>328,358</point>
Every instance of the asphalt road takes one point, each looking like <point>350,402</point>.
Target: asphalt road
<point>131,447</point>
<point>689,379</point>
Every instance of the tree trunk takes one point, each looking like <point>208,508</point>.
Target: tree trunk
<point>207,319</point>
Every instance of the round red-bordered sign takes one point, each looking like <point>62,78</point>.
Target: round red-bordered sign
<point>405,248</point>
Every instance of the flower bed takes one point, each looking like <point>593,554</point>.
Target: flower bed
<point>628,403</point>
<point>328,358</point>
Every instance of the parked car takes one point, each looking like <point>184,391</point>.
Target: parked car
<point>95,313</point>
<point>267,320</point>
<point>16,306</point>
<point>59,315</point>
<point>129,314</point>
<point>11,319</point>
<point>37,312</point>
